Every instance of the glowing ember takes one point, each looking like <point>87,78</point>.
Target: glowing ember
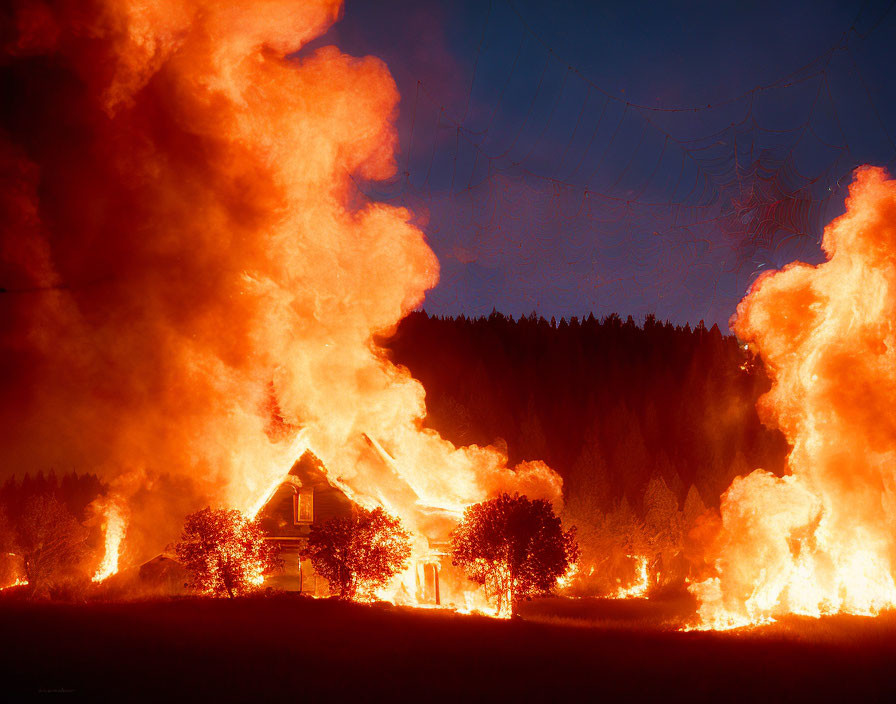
<point>20,582</point>
<point>114,529</point>
<point>820,540</point>
<point>637,590</point>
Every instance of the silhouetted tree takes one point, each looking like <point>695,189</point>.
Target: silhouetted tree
<point>8,558</point>
<point>76,491</point>
<point>602,401</point>
<point>663,468</point>
<point>358,554</point>
<point>627,542</point>
<point>693,507</point>
<point>225,552</point>
<point>663,523</point>
<point>652,392</point>
<point>632,462</point>
<point>584,508</point>
<point>589,474</point>
<point>694,514</point>
<point>533,443</point>
<point>516,548</point>
<point>50,541</point>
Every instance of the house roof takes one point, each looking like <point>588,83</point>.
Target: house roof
<point>277,516</point>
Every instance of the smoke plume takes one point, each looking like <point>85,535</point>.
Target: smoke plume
<point>192,283</point>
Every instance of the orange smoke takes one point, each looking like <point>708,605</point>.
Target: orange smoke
<point>820,540</point>
<point>183,238</point>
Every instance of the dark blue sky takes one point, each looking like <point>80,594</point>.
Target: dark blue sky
<point>630,157</point>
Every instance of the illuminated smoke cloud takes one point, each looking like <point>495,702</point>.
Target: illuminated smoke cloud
<point>191,277</point>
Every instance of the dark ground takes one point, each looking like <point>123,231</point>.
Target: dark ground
<point>285,648</point>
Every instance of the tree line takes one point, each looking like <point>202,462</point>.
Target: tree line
<point>646,423</point>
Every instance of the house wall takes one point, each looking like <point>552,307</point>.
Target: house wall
<point>296,575</point>
<point>278,519</point>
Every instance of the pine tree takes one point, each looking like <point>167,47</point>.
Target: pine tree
<point>533,442</point>
<point>693,507</point>
<point>631,462</point>
<point>663,522</point>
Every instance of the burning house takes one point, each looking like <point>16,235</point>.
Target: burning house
<point>204,247</point>
<point>303,498</point>
<point>306,497</point>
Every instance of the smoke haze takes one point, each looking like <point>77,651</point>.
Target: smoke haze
<point>190,276</point>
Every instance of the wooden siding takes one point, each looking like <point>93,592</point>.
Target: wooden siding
<point>278,519</point>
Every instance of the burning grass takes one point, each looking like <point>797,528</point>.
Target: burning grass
<point>667,613</point>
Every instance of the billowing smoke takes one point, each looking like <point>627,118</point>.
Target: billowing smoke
<point>192,282</point>
<point>823,538</point>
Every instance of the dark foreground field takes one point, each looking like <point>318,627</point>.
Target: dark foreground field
<point>294,649</point>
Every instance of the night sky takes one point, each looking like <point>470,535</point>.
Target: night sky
<point>626,157</point>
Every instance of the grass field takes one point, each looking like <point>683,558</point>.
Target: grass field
<point>289,648</point>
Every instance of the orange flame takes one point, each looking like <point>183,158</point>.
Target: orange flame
<point>20,582</point>
<point>114,529</point>
<point>638,589</point>
<point>204,247</point>
<point>821,539</point>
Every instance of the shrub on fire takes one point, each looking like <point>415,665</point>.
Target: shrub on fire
<point>225,552</point>
<point>516,548</point>
<point>359,554</point>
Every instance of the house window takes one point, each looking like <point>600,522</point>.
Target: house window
<point>304,506</point>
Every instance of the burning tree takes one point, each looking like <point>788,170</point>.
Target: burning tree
<point>516,548</point>
<point>225,552</point>
<point>359,554</point>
